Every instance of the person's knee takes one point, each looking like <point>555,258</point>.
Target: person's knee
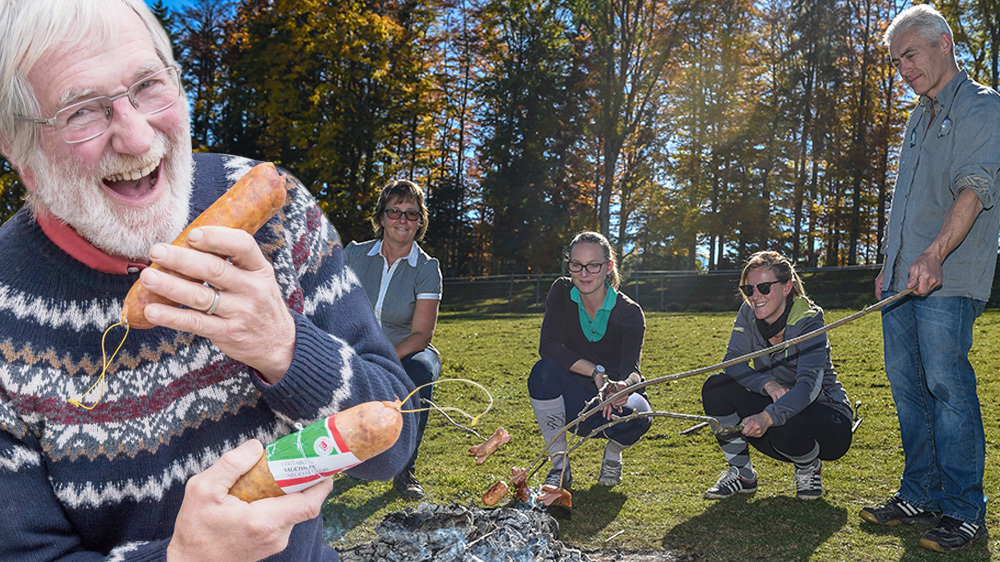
<point>543,381</point>
<point>420,370</point>
<point>715,392</point>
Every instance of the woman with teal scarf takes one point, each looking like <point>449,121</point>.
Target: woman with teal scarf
<point>591,343</point>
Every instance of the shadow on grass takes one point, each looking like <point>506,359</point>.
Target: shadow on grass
<point>909,539</point>
<point>772,528</point>
<point>339,518</point>
<point>596,507</point>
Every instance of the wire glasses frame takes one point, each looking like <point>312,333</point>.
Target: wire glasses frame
<point>90,118</point>
<point>592,268</point>
<point>394,214</point>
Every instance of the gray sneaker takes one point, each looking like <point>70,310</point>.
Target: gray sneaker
<point>611,473</point>
<point>808,483</point>
<point>729,483</point>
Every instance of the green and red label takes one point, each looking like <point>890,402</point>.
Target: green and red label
<point>309,456</point>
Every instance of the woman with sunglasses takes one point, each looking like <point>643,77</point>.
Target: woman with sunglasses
<point>403,285</point>
<point>591,343</point>
<point>790,403</point>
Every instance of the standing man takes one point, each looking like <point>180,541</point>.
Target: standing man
<point>93,117</point>
<point>942,243</point>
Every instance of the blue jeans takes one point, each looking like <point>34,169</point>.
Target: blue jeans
<point>422,367</point>
<point>548,380</point>
<point>927,342</point>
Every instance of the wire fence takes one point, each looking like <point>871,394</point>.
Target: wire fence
<point>830,287</point>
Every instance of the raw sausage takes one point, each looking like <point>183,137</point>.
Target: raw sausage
<point>247,205</point>
<point>366,429</point>
<point>484,450</point>
<point>495,493</point>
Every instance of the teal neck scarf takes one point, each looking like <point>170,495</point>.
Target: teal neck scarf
<point>593,329</point>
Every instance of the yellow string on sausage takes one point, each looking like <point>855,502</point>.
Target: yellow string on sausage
<point>107,362</point>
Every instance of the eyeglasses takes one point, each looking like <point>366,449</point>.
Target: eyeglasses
<point>763,288</point>
<point>394,214</point>
<point>577,267</point>
<point>89,118</point>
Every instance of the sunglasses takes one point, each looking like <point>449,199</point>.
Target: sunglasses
<point>763,288</point>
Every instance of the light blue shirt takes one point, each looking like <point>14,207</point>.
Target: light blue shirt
<point>959,149</point>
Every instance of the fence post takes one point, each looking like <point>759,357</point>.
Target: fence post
<point>662,305</point>
<point>510,293</point>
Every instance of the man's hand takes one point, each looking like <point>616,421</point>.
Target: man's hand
<point>251,323</point>
<point>212,525</point>
<point>925,274</point>
<point>757,424</point>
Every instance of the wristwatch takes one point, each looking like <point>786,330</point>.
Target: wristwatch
<point>598,370</point>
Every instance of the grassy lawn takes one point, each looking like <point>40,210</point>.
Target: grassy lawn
<point>659,505</point>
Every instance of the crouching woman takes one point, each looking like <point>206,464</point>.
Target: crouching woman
<point>790,403</point>
<point>591,343</point>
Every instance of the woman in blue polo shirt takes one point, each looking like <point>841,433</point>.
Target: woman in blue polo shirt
<point>403,285</point>
<point>591,339</point>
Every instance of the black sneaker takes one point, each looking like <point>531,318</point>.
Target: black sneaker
<point>557,479</point>
<point>952,535</point>
<point>809,481</point>
<point>896,511</point>
<point>730,482</point>
<point>407,485</point>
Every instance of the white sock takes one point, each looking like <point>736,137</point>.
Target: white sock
<point>613,451</point>
<point>551,416</point>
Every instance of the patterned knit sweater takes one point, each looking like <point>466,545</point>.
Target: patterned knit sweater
<point>109,482</point>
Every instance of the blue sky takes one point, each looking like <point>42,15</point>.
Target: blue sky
<point>174,5</point>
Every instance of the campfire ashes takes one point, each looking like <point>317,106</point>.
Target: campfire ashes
<point>457,533</point>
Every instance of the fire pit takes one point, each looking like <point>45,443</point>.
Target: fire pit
<point>470,534</point>
<point>458,533</point>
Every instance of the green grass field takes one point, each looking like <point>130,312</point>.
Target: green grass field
<point>659,505</point>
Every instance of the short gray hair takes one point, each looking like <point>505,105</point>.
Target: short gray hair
<point>31,29</point>
<point>924,18</point>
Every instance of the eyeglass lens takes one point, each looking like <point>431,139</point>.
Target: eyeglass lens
<point>89,118</point>
<point>763,288</point>
<point>394,214</point>
<point>577,267</point>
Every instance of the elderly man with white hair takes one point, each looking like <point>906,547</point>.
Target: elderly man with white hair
<point>273,329</point>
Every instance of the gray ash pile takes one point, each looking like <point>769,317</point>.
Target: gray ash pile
<point>460,534</point>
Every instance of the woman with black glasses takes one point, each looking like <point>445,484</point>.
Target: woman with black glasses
<point>790,403</point>
<point>403,285</point>
<point>591,344</point>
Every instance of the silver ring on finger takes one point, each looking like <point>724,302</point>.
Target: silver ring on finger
<point>215,302</point>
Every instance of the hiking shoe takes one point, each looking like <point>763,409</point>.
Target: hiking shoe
<point>729,483</point>
<point>557,479</point>
<point>952,535</point>
<point>896,511</point>
<point>407,485</point>
<point>808,483</point>
<point>611,473</point>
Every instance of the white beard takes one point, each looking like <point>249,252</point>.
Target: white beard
<point>123,232</point>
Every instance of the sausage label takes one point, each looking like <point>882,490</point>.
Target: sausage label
<point>310,455</point>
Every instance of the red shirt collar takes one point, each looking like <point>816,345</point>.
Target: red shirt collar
<point>62,235</point>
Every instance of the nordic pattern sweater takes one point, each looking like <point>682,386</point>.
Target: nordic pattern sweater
<point>78,484</point>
